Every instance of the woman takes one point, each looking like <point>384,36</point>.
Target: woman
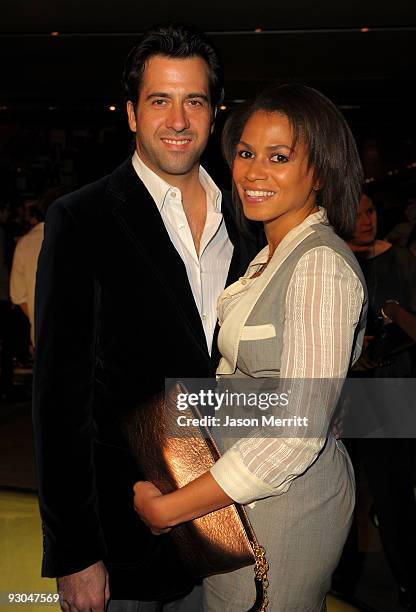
<point>297,315</point>
<point>390,272</point>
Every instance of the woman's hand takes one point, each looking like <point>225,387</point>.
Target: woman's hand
<point>148,503</point>
<point>162,512</point>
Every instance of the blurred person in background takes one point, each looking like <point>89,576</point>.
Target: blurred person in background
<point>390,274</point>
<point>6,353</point>
<point>25,259</point>
<point>399,234</point>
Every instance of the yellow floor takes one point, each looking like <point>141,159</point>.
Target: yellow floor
<point>20,558</point>
<point>335,605</point>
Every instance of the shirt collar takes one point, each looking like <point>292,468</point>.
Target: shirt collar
<point>159,188</point>
<point>317,217</point>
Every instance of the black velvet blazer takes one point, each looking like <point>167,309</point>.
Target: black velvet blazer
<point>115,316</point>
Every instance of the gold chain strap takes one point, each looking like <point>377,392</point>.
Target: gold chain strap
<point>260,571</point>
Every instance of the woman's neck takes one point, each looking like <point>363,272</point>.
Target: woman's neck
<point>368,251</point>
<point>278,228</point>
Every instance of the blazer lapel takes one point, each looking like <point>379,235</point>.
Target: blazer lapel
<point>140,219</point>
<point>245,246</point>
<point>235,270</point>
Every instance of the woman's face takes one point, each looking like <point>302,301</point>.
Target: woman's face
<point>271,175</point>
<point>366,225</point>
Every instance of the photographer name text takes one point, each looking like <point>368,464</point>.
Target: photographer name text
<point>264,421</point>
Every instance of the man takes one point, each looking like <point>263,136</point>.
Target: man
<point>128,278</point>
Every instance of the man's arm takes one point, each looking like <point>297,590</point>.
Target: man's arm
<point>62,409</point>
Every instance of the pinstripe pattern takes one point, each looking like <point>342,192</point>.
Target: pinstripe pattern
<point>322,308</point>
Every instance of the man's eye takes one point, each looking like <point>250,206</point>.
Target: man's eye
<point>245,154</point>
<point>194,103</point>
<point>160,102</point>
<point>279,158</point>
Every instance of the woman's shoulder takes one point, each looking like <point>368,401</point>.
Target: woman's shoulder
<point>322,266</point>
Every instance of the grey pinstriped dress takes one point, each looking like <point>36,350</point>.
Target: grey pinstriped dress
<point>304,317</point>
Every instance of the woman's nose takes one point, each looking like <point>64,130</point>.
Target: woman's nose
<point>255,170</point>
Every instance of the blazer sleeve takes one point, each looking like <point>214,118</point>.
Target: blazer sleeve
<point>64,393</point>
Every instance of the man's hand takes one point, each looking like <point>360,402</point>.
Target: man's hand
<point>86,590</point>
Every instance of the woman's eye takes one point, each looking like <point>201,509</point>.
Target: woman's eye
<point>279,158</point>
<point>245,154</point>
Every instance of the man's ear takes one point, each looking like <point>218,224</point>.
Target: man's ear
<point>213,119</point>
<point>131,115</point>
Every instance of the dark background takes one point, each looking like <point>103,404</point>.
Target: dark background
<point>56,125</point>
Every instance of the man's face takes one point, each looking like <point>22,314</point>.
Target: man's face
<point>366,225</point>
<point>173,117</point>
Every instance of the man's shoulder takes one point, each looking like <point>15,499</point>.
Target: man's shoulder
<point>91,198</point>
<point>84,199</point>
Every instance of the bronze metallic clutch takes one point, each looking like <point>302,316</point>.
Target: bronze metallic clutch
<point>221,541</point>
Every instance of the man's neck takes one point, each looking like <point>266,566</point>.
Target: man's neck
<point>189,185</point>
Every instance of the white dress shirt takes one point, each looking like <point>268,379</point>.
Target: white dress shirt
<point>207,273</point>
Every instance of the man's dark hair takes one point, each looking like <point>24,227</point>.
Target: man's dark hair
<point>331,148</point>
<point>176,41</point>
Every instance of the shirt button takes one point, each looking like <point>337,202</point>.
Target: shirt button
<point>173,194</point>
<point>204,317</point>
<point>243,281</point>
<point>181,225</point>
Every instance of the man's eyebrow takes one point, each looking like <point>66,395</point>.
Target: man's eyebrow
<point>164,94</point>
<point>198,95</point>
<point>158,94</point>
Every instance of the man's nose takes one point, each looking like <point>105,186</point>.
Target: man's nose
<point>177,118</point>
